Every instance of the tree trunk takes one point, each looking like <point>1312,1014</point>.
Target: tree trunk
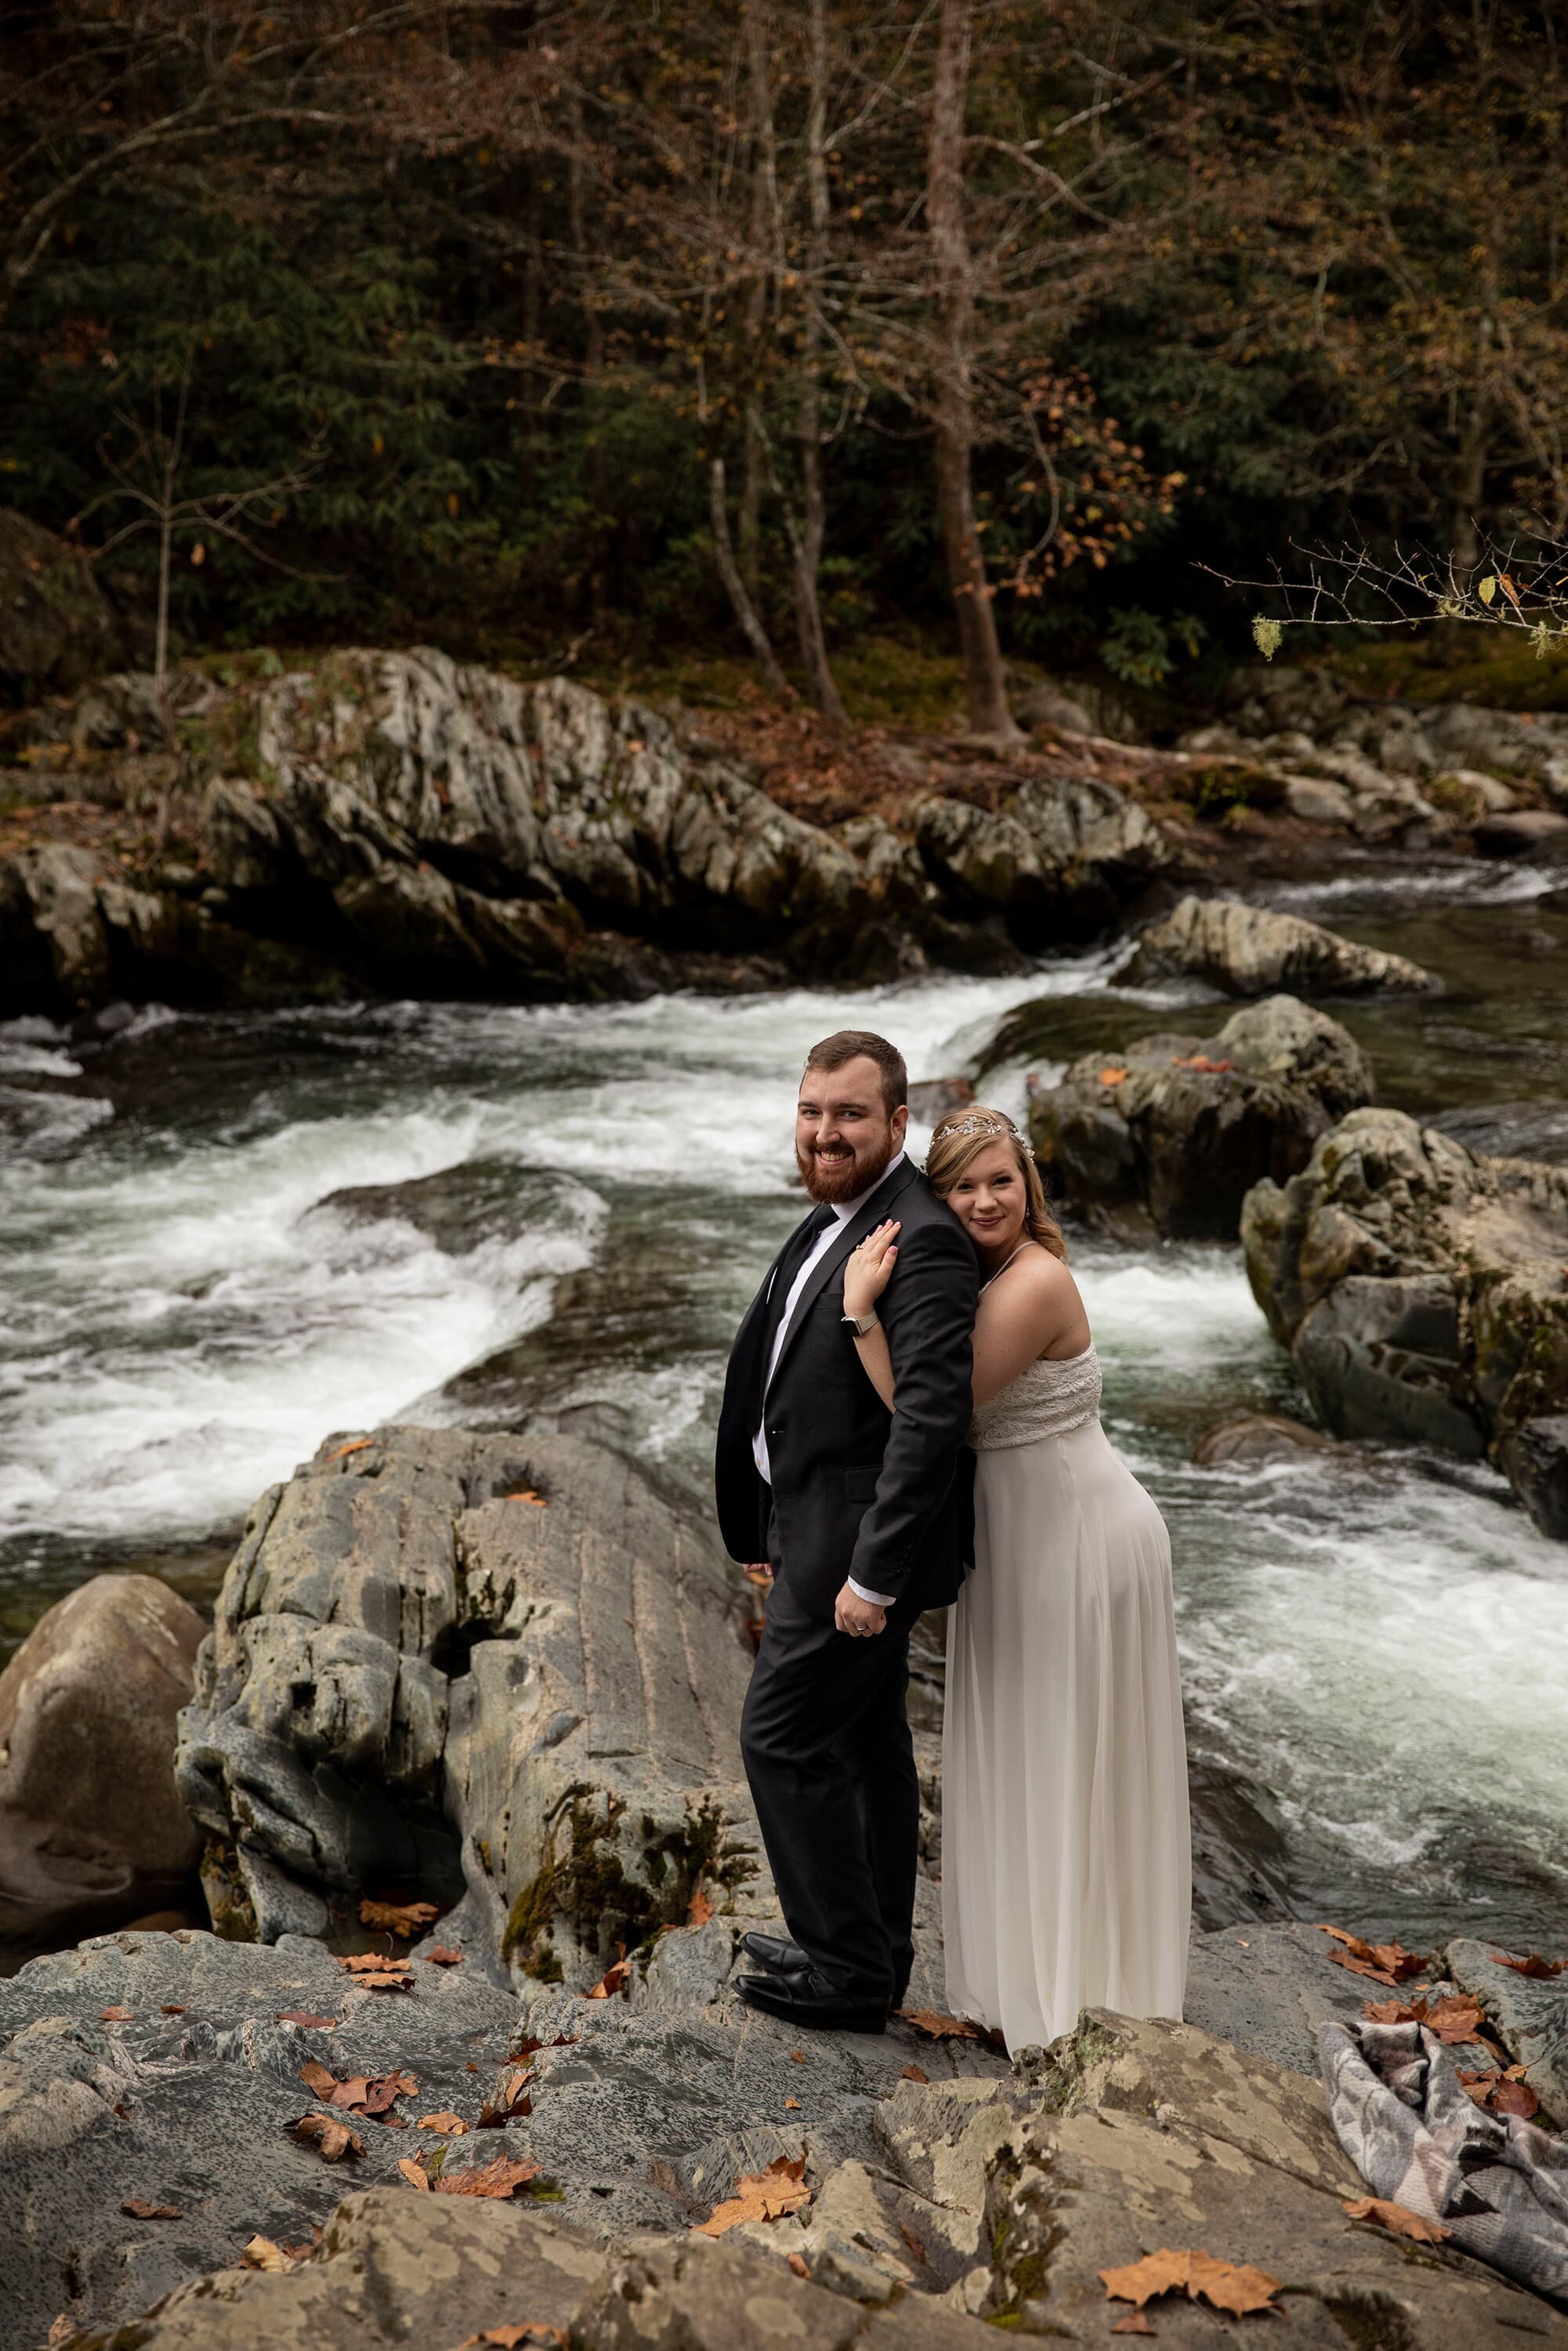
<point>1470,467</point>
<point>807,548</point>
<point>954,422</point>
<point>729,573</point>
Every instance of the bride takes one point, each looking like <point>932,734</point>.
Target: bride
<point>1066,1859</point>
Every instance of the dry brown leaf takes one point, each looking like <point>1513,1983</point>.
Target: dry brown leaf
<point>354,1445</point>
<point>526,1494</point>
<point>375,1972</point>
<point>614,1980</point>
<point>699,1910</point>
<point>443,1956</point>
<point>509,2339</point>
<point>139,2209</point>
<point>760,2196</point>
<point>937,2027</point>
<point>415,2173</point>
<point>451,2126</point>
<point>502,2177</point>
<point>511,2101</point>
<point>790,2103</point>
<point>1113,1077</point>
<point>1141,2281</point>
<point>1541,1970</point>
<point>800,2264</point>
<point>302,2016</point>
<point>173,2008</point>
<point>914,2073</point>
<point>1515,2098</point>
<point>405,1919</point>
<point>912,2242</point>
<point>265,2253</point>
<point>1231,2286</point>
<point>114,2015</point>
<point>1454,2019</point>
<point>63,2330</point>
<point>1136,2322</point>
<point>1398,2219</point>
<point>796,2057</point>
<point>330,2135</point>
<point>1201,1063</point>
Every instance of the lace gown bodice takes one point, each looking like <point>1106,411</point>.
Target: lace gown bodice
<point>1045,1400</point>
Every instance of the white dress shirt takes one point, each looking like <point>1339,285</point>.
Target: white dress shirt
<point>843,1210</point>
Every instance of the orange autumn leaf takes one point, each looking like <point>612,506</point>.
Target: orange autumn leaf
<point>1136,2322</point>
<point>1455,2019</point>
<point>614,1980</point>
<point>405,1919</point>
<point>266,2253</point>
<point>1145,2281</point>
<point>1386,1963</point>
<point>1200,1062</point>
<point>1398,2219</point>
<point>792,2103</point>
<point>937,2027</point>
<point>330,2134</point>
<point>800,2264</point>
<point>114,2015</point>
<point>376,1973</point>
<point>137,2208</point>
<point>1539,1970</point>
<point>451,2126</point>
<point>302,2017</point>
<point>760,2196</point>
<point>1234,2287</point>
<point>699,1910</point>
<point>509,2339</point>
<point>415,2173</point>
<point>1113,1077</point>
<point>443,1956</point>
<point>914,2073</point>
<point>525,1494</point>
<point>503,2178</point>
<point>355,1445</point>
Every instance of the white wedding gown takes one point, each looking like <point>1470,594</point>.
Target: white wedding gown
<point>1066,1850</point>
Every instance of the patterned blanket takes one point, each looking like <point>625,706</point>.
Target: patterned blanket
<point>1407,2124</point>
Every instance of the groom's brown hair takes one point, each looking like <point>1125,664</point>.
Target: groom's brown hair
<point>848,1045</point>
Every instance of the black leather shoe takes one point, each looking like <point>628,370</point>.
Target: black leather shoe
<point>808,1998</point>
<point>776,1952</point>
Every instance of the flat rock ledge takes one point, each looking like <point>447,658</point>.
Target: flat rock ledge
<point>951,2195</point>
<point>1255,951</point>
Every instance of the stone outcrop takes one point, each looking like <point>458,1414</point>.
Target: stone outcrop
<point>92,1829</point>
<point>56,627</point>
<point>403,821</point>
<point>1253,951</point>
<point>1420,1288</point>
<point>499,1665</point>
<point>1174,1132</point>
<point>951,2199</point>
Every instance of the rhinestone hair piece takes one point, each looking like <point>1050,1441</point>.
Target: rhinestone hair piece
<point>992,1122</point>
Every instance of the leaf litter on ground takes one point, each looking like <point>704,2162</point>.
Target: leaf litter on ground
<point>1386,1963</point>
<point>1502,2091</point>
<point>937,2027</point>
<point>374,1971</point>
<point>511,2101</point>
<point>514,2338</point>
<point>760,2196</point>
<point>137,2208</point>
<point>404,1918</point>
<point>360,2094</point>
<point>1454,2019</point>
<point>330,2134</point>
<point>1539,1970</point>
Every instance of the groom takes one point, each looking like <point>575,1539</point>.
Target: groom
<point>865,1517</point>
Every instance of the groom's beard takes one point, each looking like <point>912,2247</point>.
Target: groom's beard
<point>841,1179</point>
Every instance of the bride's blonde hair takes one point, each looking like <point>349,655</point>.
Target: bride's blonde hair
<point>960,1137</point>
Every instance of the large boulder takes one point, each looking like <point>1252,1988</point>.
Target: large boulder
<point>497,1664</point>
<point>1254,951</point>
<point>56,628</point>
<point>76,935</point>
<point>92,1829</point>
<point>1420,1288</point>
<point>1175,1131</point>
<point>1056,857</point>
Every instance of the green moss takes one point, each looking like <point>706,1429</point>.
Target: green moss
<point>1451,662</point>
<point>228,1904</point>
<point>583,1882</point>
<point>1216,792</point>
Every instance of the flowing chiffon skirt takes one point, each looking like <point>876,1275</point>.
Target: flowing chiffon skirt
<point>1066,1848</point>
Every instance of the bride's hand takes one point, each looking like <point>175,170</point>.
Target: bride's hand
<point>866,1274</point>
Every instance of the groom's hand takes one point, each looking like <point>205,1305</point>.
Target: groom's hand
<point>857,1618</point>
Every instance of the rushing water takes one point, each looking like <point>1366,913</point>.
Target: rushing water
<point>222,1237</point>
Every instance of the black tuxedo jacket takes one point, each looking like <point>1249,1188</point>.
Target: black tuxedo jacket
<point>888,1498</point>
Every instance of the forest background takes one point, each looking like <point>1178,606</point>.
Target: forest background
<point>624,335</point>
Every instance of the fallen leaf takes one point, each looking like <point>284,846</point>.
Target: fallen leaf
<point>354,1445</point>
<point>914,2073</point>
<point>1113,1077</point>
<point>1455,2019</point>
<point>1136,2322</point>
<point>359,2093</point>
<point>614,1980</point>
<point>1201,1063</point>
<point>1230,2286</point>
<point>796,2057</point>
<point>502,2177</point>
<point>794,2103</point>
<point>415,2173</point>
<point>760,2196</point>
<point>140,2210</point>
<point>451,2126</point>
<point>405,1919</point>
<point>1398,2219</point>
<point>699,1910</point>
<point>381,2092</point>
<point>511,2102</point>
<point>526,1494</point>
<point>376,1973</point>
<point>1534,1965</point>
<point>114,2015</point>
<point>1386,1963</point>
<point>800,2264</point>
<point>1515,2098</point>
<point>443,1956</point>
<point>532,2330</point>
<point>912,2241</point>
<point>265,2253</point>
<point>937,2027</point>
<point>172,2007</point>
<point>302,2016</point>
<point>330,2135</point>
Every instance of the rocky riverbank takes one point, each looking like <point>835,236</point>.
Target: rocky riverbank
<point>399,822</point>
<point>492,1685</point>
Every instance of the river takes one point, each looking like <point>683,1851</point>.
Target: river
<point>222,1237</point>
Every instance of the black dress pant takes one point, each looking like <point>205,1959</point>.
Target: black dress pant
<point>832,1768</point>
